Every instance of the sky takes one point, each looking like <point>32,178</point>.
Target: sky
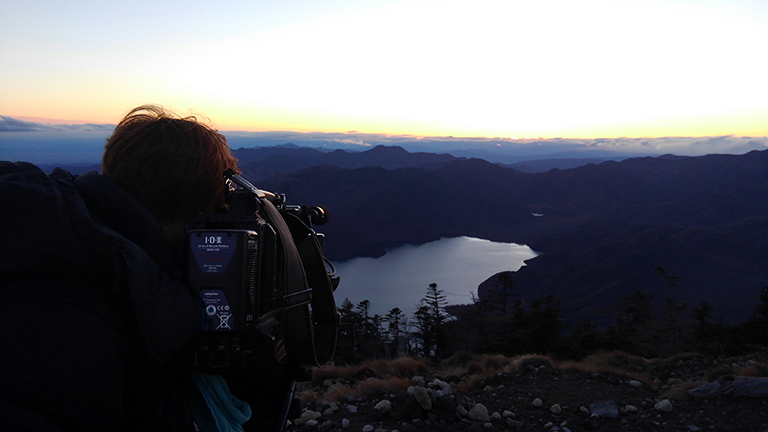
<point>468,68</point>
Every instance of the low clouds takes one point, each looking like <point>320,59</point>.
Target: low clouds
<point>22,137</point>
<point>10,124</point>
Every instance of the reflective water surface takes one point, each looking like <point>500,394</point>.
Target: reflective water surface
<point>401,277</point>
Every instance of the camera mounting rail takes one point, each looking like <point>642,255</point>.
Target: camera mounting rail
<point>258,194</point>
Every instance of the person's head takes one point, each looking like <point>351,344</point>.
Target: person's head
<point>174,166</point>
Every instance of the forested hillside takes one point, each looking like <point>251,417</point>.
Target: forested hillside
<point>602,229</point>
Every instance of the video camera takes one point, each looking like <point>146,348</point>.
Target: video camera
<point>265,283</point>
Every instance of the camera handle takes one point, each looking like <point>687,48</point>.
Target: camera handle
<point>308,342</point>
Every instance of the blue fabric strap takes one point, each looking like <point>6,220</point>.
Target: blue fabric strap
<point>228,412</point>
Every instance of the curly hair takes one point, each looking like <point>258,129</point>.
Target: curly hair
<point>174,166</point>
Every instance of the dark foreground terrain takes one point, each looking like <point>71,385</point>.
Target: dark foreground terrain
<point>608,392</point>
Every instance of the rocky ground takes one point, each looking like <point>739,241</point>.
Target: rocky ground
<point>610,392</point>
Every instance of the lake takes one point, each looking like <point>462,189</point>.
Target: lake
<point>400,278</point>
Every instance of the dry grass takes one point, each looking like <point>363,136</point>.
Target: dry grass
<point>527,361</point>
<point>617,363</point>
<point>493,362</point>
<point>754,370</point>
<point>319,375</point>
<point>459,358</point>
<point>396,374</point>
<point>371,386</point>
<point>404,367</point>
<point>616,360</point>
<point>720,371</point>
<point>679,392</point>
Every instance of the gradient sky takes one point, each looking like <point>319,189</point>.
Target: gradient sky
<point>545,68</point>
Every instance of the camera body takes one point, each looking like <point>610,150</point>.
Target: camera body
<point>265,301</point>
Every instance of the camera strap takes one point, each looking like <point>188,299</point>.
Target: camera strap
<point>308,342</point>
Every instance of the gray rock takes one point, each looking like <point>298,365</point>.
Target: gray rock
<point>604,409</point>
<point>664,406</point>
<point>479,413</point>
<point>423,397</point>
<point>733,386</point>
<point>461,411</point>
<point>383,406</point>
<point>305,417</point>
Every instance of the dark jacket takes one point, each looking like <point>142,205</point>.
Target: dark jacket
<point>92,309</point>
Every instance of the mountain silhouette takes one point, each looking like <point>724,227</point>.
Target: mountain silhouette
<point>263,162</point>
<point>601,228</point>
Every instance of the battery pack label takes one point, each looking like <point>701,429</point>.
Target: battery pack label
<point>216,310</point>
<point>213,251</point>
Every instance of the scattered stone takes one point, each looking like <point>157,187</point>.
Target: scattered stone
<point>461,411</point>
<point>514,423</point>
<point>495,416</point>
<point>630,409</point>
<point>694,428</point>
<point>368,428</point>
<point>352,408</point>
<point>488,389</point>
<point>604,409</point>
<point>326,426</point>
<point>305,417</point>
<point>635,383</point>
<point>334,406</point>
<point>479,413</point>
<point>438,384</point>
<point>548,425</point>
<point>345,423</point>
<point>537,403</point>
<point>556,409</point>
<point>423,397</point>
<point>584,409</point>
<point>507,414</point>
<point>664,406</point>
<point>383,406</point>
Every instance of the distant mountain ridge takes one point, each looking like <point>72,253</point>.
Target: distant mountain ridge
<point>602,228</point>
<point>262,162</point>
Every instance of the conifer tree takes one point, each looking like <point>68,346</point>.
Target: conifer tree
<point>429,319</point>
<point>673,311</point>
<point>395,320</point>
